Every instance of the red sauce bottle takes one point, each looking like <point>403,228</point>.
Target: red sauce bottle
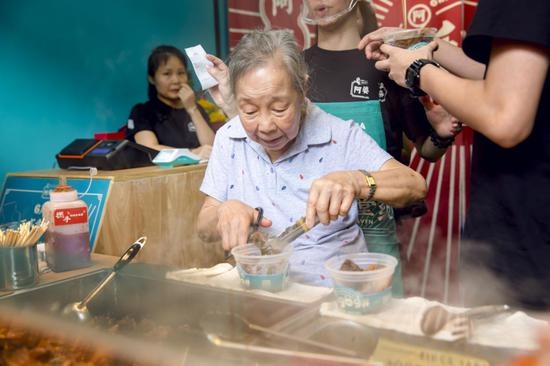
<point>68,234</point>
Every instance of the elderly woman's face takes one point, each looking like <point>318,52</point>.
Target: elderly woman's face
<point>269,107</point>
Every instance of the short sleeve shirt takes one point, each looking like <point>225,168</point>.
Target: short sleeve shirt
<point>172,127</point>
<point>239,168</point>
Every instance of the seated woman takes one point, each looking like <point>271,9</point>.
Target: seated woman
<point>284,154</point>
<point>171,118</point>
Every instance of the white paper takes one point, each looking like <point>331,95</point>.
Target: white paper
<point>516,330</point>
<point>230,280</point>
<point>197,55</point>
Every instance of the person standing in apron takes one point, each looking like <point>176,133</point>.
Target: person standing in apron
<point>342,82</point>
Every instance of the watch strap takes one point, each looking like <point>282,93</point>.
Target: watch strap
<point>371,183</point>
<point>412,75</point>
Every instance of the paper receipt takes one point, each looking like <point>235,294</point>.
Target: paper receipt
<point>197,55</point>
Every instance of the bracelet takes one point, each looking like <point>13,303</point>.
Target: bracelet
<point>371,183</point>
<point>441,142</point>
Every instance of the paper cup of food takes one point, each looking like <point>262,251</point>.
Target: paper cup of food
<point>362,281</point>
<point>410,38</point>
<point>268,272</point>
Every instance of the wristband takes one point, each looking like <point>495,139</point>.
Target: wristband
<point>441,142</point>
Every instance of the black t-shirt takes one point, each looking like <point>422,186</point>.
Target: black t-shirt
<point>173,127</point>
<point>334,76</point>
<point>510,188</point>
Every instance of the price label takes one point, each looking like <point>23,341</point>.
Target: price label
<point>391,353</point>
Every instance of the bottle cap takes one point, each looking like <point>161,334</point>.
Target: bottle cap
<point>63,192</point>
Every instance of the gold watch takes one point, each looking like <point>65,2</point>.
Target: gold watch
<point>371,183</point>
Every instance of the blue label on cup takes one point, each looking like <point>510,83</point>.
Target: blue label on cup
<point>267,282</point>
<point>418,45</point>
<point>357,302</point>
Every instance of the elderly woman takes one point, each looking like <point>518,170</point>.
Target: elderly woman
<point>292,159</point>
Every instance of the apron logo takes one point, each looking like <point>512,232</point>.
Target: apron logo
<point>359,88</point>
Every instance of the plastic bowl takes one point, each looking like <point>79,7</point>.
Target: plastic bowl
<point>362,292</point>
<point>410,38</point>
<point>262,272</point>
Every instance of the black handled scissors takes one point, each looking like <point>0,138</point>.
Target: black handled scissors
<point>255,226</point>
<point>256,223</point>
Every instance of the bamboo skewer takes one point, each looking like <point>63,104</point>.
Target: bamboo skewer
<point>25,235</point>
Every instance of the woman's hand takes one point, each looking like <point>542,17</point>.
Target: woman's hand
<point>371,43</point>
<point>331,196</point>
<point>203,151</point>
<point>398,60</point>
<point>187,97</point>
<point>444,124</point>
<point>394,60</point>
<point>235,219</point>
<point>221,93</point>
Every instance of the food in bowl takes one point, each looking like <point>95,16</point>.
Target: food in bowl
<point>410,38</point>
<point>260,240</point>
<point>267,272</point>
<point>362,281</point>
<point>350,265</point>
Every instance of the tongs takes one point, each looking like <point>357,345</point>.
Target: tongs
<point>278,243</point>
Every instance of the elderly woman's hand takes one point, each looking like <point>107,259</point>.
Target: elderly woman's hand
<point>331,196</point>
<point>221,93</point>
<point>234,221</point>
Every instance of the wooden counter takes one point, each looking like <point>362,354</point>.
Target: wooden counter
<point>162,204</point>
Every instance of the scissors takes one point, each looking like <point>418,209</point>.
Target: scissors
<point>255,226</point>
<point>256,223</point>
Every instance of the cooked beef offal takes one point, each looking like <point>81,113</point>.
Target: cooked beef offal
<point>350,265</point>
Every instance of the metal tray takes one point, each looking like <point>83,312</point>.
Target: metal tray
<point>140,295</point>
<point>374,343</point>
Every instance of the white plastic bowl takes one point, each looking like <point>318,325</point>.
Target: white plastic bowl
<point>263,272</point>
<point>362,292</point>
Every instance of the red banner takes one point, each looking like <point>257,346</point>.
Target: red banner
<point>450,17</point>
<point>244,15</point>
